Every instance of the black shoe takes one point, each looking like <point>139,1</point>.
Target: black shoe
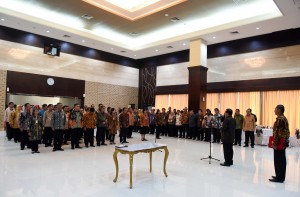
<point>98,144</point>
<point>46,145</point>
<point>86,146</point>
<point>158,138</point>
<point>72,148</point>
<point>214,142</point>
<point>78,147</point>
<point>54,150</point>
<point>61,149</point>
<point>92,146</point>
<point>225,164</point>
<point>22,148</point>
<point>106,144</point>
<point>273,177</point>
<point>252,146</point>
<point>37,151</point>
<point>126,142</point>
<point>32,152</point>
<point>246,146</point>
<point>276,180</point>
<point>240,145</point>
<point>235,144</point>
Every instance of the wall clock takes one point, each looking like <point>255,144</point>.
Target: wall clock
<point>50,81</point>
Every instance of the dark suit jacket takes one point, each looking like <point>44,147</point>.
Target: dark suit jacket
<point>228,130</point>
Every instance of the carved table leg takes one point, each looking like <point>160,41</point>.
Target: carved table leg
<point>131,162</point>
<point>165,160</point>
<point>115,155</point>
<point>150,157</point>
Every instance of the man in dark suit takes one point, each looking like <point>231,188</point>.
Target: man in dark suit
<point>228,131</point>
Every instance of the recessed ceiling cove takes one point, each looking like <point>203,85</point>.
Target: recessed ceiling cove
<point>133,9</point>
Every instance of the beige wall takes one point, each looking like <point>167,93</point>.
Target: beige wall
<point>110,95</point>
<point>29,59</point>
<point>273,63</point>
<point>2,95</point>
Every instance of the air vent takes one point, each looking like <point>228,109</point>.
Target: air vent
<point>174,19</point>
<point>67,36</point>
<point>170,47</point>
<point>133,33</point>
<point>234,32</point>
<point>86,16</point>
<point>123,51</point>
<point>239,1</point>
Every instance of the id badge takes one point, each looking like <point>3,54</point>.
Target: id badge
<point>36,121</point>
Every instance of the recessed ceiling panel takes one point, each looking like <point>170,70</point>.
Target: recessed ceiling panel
<point>133,9</point>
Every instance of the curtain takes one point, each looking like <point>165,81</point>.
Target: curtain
<point>270,100</point>
<point>161,101</point>
<point>250,100</point>
<point>179,101</point>
<point>291,102</point>
<point>212,101</point>
<point>228,100</point>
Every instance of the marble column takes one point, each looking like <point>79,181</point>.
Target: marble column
<point>197,75</point>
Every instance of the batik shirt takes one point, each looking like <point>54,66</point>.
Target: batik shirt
<point>217,121</point>
<point>24,119</point>
<point>58,120</point>
<point>281,130</point>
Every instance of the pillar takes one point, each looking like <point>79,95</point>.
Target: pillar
<point>197,75</point>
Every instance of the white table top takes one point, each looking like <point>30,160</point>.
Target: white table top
<point>143,146</point>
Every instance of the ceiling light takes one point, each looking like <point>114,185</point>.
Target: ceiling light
<point>2,19</point>
<point>166,14</point>
<point>47,31</point>
<point>156,50</point>
<point>134,55</point>
<point>66,36</point>
<point>83,40</point>
<point>112,48</point>
<point>214,37</point>
<point>183,44</point>
<point>257,28</point>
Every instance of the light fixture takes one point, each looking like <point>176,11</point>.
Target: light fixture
<point>112,49</point>
<point>156,50</point>
<point>2,19</point>
<point>83,40</point>
<point>257,28</point>
<point>134,55</point>
<point>214,37</point>
<point>166,14</point>
<point>47,31</point>
<point>183,44</point>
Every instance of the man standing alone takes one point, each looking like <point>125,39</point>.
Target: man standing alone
<point>281,132</point>
<point>228,129</point>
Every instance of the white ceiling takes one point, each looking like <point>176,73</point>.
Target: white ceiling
<point>158,45</point>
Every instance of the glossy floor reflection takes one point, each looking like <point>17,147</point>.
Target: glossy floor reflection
<point>90,172</point>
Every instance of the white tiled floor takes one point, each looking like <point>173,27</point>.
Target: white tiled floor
<point>90,172</point>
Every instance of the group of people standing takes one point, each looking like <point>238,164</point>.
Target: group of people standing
<point>32,126</point>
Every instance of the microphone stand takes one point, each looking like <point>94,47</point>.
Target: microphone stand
<point>210,157</point>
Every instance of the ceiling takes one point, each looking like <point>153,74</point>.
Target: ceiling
<point>211,20</point>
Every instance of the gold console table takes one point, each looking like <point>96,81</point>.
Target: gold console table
<point>139,148</point>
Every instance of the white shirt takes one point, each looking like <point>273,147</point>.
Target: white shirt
<point>8,111</point>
